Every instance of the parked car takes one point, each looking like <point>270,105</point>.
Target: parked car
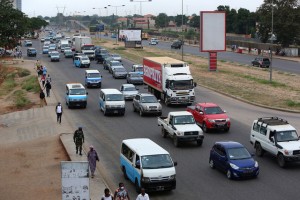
<point>68,53</point>
<point>233,159</point>
<point>261,62</point>
<point>27,43</point>
<point>116,57</point>
<point>31,52</point>
<point>210,116</point>
<point>145,103</point>
<point>119,72</point>
<point>135,78</point>
<point>129,91</point>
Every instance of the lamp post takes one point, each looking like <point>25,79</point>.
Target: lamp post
<point>140,3</point>
<point>116,8</point>
<point>182,30</point>
<point>272,38</point>
<point>99,10</point>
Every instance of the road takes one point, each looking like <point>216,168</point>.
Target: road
<point>195,179</point>
<point>245,59</point>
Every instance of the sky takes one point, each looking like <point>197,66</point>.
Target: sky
<point>50,8</point>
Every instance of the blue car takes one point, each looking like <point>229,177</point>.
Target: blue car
<point>233,159</point>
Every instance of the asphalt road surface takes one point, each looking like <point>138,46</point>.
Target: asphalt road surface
<point>245,59</point>
<point>195,179</point>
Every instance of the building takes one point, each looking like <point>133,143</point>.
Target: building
<point>145,22</point>
<point>17,4</point>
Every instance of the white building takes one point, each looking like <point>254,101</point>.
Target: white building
<point>17,4</point>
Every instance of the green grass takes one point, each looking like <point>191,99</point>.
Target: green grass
<point>31,84</point>
<point>23,72</point>
<point>264,81</point>
<point>20,99</point>
<point>292,103</point>
<point>8,84</point>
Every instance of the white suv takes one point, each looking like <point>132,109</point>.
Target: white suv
<point>276,136</point>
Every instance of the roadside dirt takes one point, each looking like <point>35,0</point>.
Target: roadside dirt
<point>30,170</point>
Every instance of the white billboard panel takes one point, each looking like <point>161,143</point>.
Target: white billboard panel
<point>75,180</point>
<point>212,31</point>
<point>130,35</point>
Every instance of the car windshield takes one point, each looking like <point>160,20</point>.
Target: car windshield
<point>129,89</point>
<point>285,136</point>
<point>139,69</point>
<point>115,64</point>
<point>84,58</point>
<point>93,75</point>
<point>115,55</point>
<point>181,85</point>
<point>238,153</point>
<point>184,119</point>
<point>156,161</point>
<point>87,48</point>
<point>149,99</point>
<point>213,110</point>
<point>114,97</point>
<point>120,69</point>
<point>54,54</point>
<point>77,92</point>
<point>135,75</point>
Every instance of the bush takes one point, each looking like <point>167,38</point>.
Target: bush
<point>23,72</point>
<point>31,84</point>
<point>20,99</point>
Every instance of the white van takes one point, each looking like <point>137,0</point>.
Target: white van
<point>111,101</point>
<point>147,165</point>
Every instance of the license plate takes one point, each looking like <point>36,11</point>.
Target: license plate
<point>160,188</point>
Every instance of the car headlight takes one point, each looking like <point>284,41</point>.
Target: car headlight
<point>107,106</point>
<point>256,164</point>
<point>211,120</point>
<point>172,177</point>
<point>227,119</point>
<point>286,152</point>
<point>179,133</point>
<point>233,166</point>
<point>146,179</point>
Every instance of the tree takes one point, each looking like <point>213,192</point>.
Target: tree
<point>286,23</point>
<point>13,24</point>
<point>178,20</point>
<point>162,20</point>
<point>195,21</point>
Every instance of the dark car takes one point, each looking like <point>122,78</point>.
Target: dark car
<point>261,62</point>
<point>135,78</point>
<point>100,54</point>
<point>106,61</point>
<point>233,159</point>
<point>31,52</point>
<point>176,44</point>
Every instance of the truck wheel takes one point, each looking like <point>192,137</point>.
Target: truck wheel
<point>104,112</point>
<point>204,128</point>
<point>199,142</point>
<point>163,132</point>
<point>211,164</point>
<point>175,141</point>
<point>229,174</point>
<point>134,109</point>
<point>167,101</point>
<point>141,113</point>
<point>259,150</point>
<point>137,187</point>
<point>226,129</point>
<point>281,160</point>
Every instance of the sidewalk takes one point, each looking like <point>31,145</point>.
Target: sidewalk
<point>35,123</point>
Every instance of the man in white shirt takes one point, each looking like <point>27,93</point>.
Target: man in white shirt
<point>59,111</point>
<point>143,195</point>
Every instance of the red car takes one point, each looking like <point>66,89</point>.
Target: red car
<point>210,116</point>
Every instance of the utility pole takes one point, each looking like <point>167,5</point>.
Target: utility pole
<point>272,38</point>
<point>182,30</point>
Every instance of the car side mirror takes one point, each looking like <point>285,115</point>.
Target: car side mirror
<point>272,139</point>
<point>158,100</point>
<point>224,111</point>
<point>195,84</point>
<point>137,88</point>
<point>175,163</point>
<point>87,93</point>
<point>201,112</point>
<point>137,165</point>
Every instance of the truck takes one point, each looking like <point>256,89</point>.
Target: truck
<point>169,79</point>
<point>63,44</point>
<point>181,127</point>
<point>145,36</point>
<point>84,45</point>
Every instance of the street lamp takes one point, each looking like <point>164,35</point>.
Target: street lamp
<point>182,30</point>
<point>99,10</point>
<point>272,39</point>
<point>140,3</point>
<point>116,8</point>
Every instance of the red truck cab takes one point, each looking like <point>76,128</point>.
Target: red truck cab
<point>210,116</point>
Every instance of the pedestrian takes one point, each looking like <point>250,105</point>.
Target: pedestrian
<point>107,195</point>
<point>48,78</point>
<point>59,111</point>
<point>43,79</point>
<point>44,71</point>
<point>42,98</point>
<point>92,158</point>
<point>48,88</point>
<point>121,193</point>
<point>78,140</point>
<point>143,195</point>
<point>37,64</point>
<point>20,54</point>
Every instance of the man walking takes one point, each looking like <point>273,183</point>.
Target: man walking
<point>42,98</point>
<point>92,158</point>
<point>48,88</point>
<point>143,195</point>
<point>121,193</point>
<point>59,111</point>
<point>78,140</point>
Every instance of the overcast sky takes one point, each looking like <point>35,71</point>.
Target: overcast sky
<point>170,7</point>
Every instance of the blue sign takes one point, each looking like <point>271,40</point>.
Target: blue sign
<point>100,27</point>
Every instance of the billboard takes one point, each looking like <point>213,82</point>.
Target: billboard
<point>212,31</point>
<point>75,180</point>
<point>130,35</point>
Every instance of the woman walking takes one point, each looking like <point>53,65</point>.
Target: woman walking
<point>92,158</point>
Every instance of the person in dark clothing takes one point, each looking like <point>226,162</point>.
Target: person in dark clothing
<point>78,140</point>
<point>42,98</point>
<point>48,88</point>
